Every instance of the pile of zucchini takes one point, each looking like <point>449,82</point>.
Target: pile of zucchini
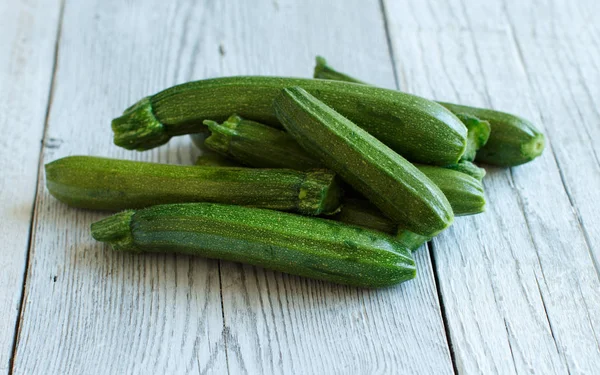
<point>327,178</point>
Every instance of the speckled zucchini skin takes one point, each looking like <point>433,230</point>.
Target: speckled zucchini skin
<point>419,129</point>
<point>261,146</point>
<point>315,248</point>
<point>111,184</point>
<point>388,180</point>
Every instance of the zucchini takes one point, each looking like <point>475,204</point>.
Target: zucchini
<point>257,145</point>
<point>110,184</point>
<point>388,180</point>
<point>364,214</point>
<point>512,141</point>
<point>469,168</point>
<point>419,129</point>
<point>316,248</point>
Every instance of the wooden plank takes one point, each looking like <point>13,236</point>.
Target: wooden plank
<point>26,64</point>
<point>101,312</point>
<point>566,78</point>
<point>526,300</point>
<point>281,324</point>
<point>89,310</point>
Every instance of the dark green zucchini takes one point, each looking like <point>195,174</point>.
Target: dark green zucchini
<point>388,180</point>
<point>419,129</point>
<point>512,141</point>
<point>364,214</point>
<point>316,248</point>
<point>110,184</point>
<point>257,145</point>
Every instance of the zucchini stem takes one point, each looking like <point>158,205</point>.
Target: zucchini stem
<point>139,129</point>
<point>116,230</point>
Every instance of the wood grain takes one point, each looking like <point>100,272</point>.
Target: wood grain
<point>101,312</point>
<point>527,303</point>
<point>26,64</point>
<point>89,310</point>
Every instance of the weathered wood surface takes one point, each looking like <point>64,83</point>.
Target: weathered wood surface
<point>117,313</point>
<point>519,284</point>
<point>529,293</point>
<point>27,38</point>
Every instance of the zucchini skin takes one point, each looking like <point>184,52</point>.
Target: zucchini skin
<point>419,129</point>
<point>364,214</point>
<point>257,145</point>
<point>213,159</point>
<point>310,247</point>
<point>111,184</point>
<point>465,193</point>
<point>512,141</point>
<point>388,180</point>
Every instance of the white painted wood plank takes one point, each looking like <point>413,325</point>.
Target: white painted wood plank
<point>27,38</point>
<point>89,310</point>
<point>281,324</point>
<point>526,301</point>
<point>101,312</point>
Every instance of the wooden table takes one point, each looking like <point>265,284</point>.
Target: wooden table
<point>515,290</point>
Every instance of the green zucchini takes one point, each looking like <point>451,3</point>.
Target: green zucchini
<point>388,180</point>
<point>257,145</point>
<point>110,184</point>
<point>469,168</point>
<point>316,248</point>
<point>419,129</point>
<point>512,141</point>
<point>364,214</point>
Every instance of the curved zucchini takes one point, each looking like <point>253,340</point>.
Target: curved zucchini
<point>257,145</point>
<point>364,214</point>
<point>316,248</point>
<point>111,184</point>
<point>419,129</point>
<point>512,141</point>
<point>388,180</point>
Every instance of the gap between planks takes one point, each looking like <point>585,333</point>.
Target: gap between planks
<point>39,186</point>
